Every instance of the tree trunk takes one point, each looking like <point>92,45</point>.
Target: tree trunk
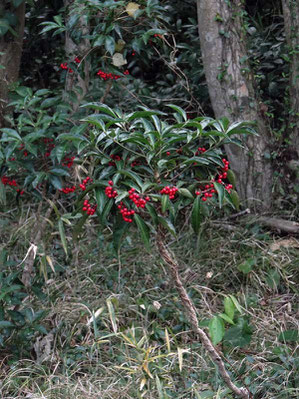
<point>291,25</point>
<point>77,82</point>
<point>10,58</point>
<point>232,95</point>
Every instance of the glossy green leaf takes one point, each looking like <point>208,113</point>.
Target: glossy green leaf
<point>10,133</point>
<point>220,191</point>
<point>165,203</point>
<point>110,44</point>
<point>231,177</point>
<point>235,199</point>
<point>179,110</point>
<point>196,216</point>
<point>167,224</point>
<point>185,193</point>
<point>144,230</point>
<point>152,211</point>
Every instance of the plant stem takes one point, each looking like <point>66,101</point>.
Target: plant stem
<point>191,313</point>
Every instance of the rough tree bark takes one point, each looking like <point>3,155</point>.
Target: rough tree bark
<point>10,58</point>
<point>232,94</point>
<point>291,25</point>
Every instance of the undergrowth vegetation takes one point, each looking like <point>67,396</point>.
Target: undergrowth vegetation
<point>112,325</point>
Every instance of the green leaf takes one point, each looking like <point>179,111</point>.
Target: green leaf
<point>247,266</point>
<point>107,208</point>
<point>289,336</point>
<point>119,230</point>
<point>10,133</point>
<point>229,307</point>
<point>226,318</point>
<point>179,110</point>
<point>186,193</point>
<point>99,40</point>
<point>220,191</point>
<point>196,216</point>
<point>235,199</point>
<point>143,114</point>
<point>144,230</point>
<point>236,303</point>
<point>4,26</point>
<point>216,330</point>
<point>24,91</point>
<point>152,211</point>
<point>101,199</point>
<point>239,335</point>
<point>59,172</point>
<point>231,177</point>
<point>49,102</point>
<point>273,278</point>
<point>134,176</point>
<point>55,181</point>
<point>62,236</point>
<point>110,44</point>
<point>100,107</point>
<point>165,203</point>
<point>167,224</point>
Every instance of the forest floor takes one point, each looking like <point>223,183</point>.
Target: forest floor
<point>115,327</point>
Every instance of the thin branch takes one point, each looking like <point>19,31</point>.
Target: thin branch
<point>190,309</point>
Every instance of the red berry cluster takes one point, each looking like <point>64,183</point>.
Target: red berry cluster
<point>68,190</point>
<point>64,66</point>
<point>85,181</point>
<point>170,191</point>
<point>125,212</point>
<point>226,163</point>
<point>50,145</point>
<point>139,202</point>
<point>109,75</point>
<point>89,209</point>
<point>22,147</point>
<point>135,163</point>
<point>77,60</point>
<point>115,158</point>
<point>68,161</point>
<point>109,190</point>
<point>158,35</point>
<point>200,150</point>
<point>207,192</point>
<point>6,181</point>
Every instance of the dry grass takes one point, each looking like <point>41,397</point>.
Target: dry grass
<point>139,345</point>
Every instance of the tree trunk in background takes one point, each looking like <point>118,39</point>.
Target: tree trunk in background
<point>291,26</point>
<point>11,47</point>
<point>232,94</point>
<point>77,83</point>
